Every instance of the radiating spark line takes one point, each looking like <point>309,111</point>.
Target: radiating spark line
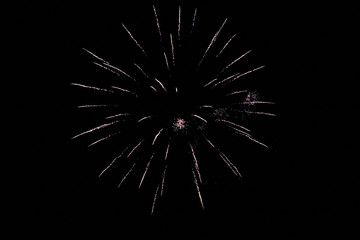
<point>167,150</point>
<point>166,62</point>
<point>261,113</point>
<point>239,131</point>
<point>162,86</point>
<point>226,44</point>
<point>104,138</point>
<point>125,90</point>
<point>157,23</point>
<point>113,161</point>
<point>163,180</point>
<point>95,128</point>
<point>98,105</point>
<point>135,148</point>
<point>193,21</point>
<point>233,62</point>
<point>197,116</point>
<point>97,57</point>
<point>197,188</point>
<point>255,102</point>
<point>156,136</point>
<point>206,106</point>
<point>238,76</point>
<point>146,169</point>
<point>142,71</point>
<point>234,75</point>
<point>234,124</point>
<point>136,42</point>
<point>213,40</point>
<point>172,49</point>
<point>207,84</point>
<point>106,68</point>
<point>254,140</point>
<point>119,70</point>
<point>144,118</point>
<point>123,179</point>
<point>118,115</point>
<point>92,87</point>
<point>153,88</point>
<point>179,23</point>
<point>195,162</point>
<point>154,201</point>
<point>236,92</point>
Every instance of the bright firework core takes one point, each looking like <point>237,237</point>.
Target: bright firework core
<point>179,124</point>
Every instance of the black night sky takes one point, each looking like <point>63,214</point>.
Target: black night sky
<point>303,185</point>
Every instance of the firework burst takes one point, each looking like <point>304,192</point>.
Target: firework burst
<point>174,100</point>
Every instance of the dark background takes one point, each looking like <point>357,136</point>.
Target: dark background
<point>305,184</point>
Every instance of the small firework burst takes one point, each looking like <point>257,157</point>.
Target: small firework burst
<point>183,106</point>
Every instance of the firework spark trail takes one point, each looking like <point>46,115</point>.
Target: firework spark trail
<point>234,75</point>
<point>234,124</point>
<point>172,50</point>
<point>157,23</point>
<point>146,169</point>
<point>118,115</point>
<point>153,88</point>
<point>156,136</point>
<point>95,128</point>
<point>135,148</point>
<point>226,44</point>
<point>144,118</point>
<point>239,131</point>
<point>257,141</point>
<point>255,102</point>
<point>92,87</point>
<point>97,105</point>
<point>197,188</point>
<point>121,71</point>
<point>195,162</point>
<point>113,161</point>
<point>236,92</point>
<point>160,83</point>
<point>163,180</point>
<point>123,179</point>
<point>260,113</point>
<point>167,149</point>
<point>205,106</point>
<point>233,62</point>
<point>104,138</point>
<point>201,118</point>
<point>125,90</point>
<point>193,22</point>
<point>179,24</point>
<point>97,57</point>
<point>237,76</point>
<point>213,40</point>
<point>142,71</point>
<point>154,201</point>
<point>136,42</point>
<point>167,62</point>
<point>107,69</point>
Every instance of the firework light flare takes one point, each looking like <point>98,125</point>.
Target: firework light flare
<point>168,107</point>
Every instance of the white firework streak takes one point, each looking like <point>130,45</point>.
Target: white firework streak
<point>239,131</point>
<point>257,141</point>
<point>233,62</point>
<point>97,57</point>
<point>118,115</point>
<point>234,75</point>
<point>160,83</point>
<point>179,24</point>
<point>226,44</point>
<point>91,87</point>
<point>197,187</point>
<point>104,138</point>
<point>125,90</point>
<point>205,106</point>
<point>142,71</point>
<point>157,23</point>
<point>136,42</point>
<point>153,88</point>
<point>201,118</point>
<point>193,21</point>
<point>256,102</point>
<point>123,179</point>
<point>119,70</point>
<point>144,118</point>
<point>166,62</point>
<point>135,148</point>
<point>261,113</point>
<point>172,49</point>
<point>107,69</point>
<point>156,136</point>
<point>234,124</point>
<point>163,180</point>
<point>146,169</point>
<point>236,92</point>
<point>97,105</point>
<point>154,200</point>
<point>167,150</point>
<point>113,161</point>
<point>238,75</point>
<point>213,40</point>
<point>195,162</point>
<point>95,128</point>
